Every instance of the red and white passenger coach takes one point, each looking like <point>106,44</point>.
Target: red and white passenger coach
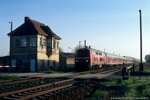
<point>88,58</point>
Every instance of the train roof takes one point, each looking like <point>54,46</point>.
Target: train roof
<point>91,49</point>
<point>107,54</point>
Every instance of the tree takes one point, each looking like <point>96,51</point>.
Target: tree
<point>77,47</point>
<point>61,53</point>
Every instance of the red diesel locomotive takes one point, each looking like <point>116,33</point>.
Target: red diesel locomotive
<point>88,58</point>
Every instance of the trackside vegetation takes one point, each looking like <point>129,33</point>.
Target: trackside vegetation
<point>7,77</point>
<point>111,89</point>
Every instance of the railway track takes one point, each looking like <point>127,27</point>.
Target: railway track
<point>8,82</point>
<point>52,90</point>
<point>110,70</point>
<point>69,89</point>
<point>37,91</point>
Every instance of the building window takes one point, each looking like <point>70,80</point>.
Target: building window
<point>23,42</point>
<point>53,43</point>
<point>44,42</point>
<point>49,44</point>
<point>32,41</point>
<point>39,41</point>
<point>57,45</point>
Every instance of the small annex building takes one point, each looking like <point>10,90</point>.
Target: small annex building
<point>34,47</point>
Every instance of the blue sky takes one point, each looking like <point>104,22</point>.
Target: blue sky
<point>105,24</point>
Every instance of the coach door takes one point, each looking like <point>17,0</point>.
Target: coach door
<point>32,65</point>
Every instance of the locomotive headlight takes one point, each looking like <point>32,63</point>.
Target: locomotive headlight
<point>87,60</point>
<point>76,60</point>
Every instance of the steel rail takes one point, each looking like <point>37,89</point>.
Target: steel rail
<point>44,92</point>
<point>32,88</point>
<point>6,81</point>
<point>109,71</point>
<point>20,81</point>
<point>112,72</point>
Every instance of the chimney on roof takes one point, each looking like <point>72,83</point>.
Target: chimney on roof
<point>26,19</point>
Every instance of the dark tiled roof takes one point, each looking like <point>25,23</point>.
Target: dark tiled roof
<point>32,27</point>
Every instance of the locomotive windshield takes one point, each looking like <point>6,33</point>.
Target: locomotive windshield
<point>82,52</point>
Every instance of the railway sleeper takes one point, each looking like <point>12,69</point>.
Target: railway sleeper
<point>21,94</point>
<point>41,97</point>
<point>34,99</point>
<point>8,98</point>
<point>16,96</point>
<point>46,95</point>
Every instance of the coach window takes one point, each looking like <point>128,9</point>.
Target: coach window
<point>101,59</point>
<point>94,53</point>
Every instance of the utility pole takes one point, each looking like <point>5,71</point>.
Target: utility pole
<point>104,50</point>
<point>141,63</point>
<point>85,43</point>
<point>11,23</point>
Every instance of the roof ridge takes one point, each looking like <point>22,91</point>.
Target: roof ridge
<point>33,27</point>
<point>36,21</point>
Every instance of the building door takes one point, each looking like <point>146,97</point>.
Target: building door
<point>13,62</point>
<point>32,65</point>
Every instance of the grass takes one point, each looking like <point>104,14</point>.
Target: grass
<point>131,88</point>
<point>146,70</point>
<point>7,77</point>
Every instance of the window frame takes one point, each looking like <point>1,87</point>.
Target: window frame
<point>39,41</point>
<point>32,41</point>
<point>49,42</point>
<point>23,42</point>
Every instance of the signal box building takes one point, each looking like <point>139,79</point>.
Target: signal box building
<point>34,47</point>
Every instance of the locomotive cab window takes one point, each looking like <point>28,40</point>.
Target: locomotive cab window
<point>82,52</point>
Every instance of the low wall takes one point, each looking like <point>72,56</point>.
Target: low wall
<point>66,62</point>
